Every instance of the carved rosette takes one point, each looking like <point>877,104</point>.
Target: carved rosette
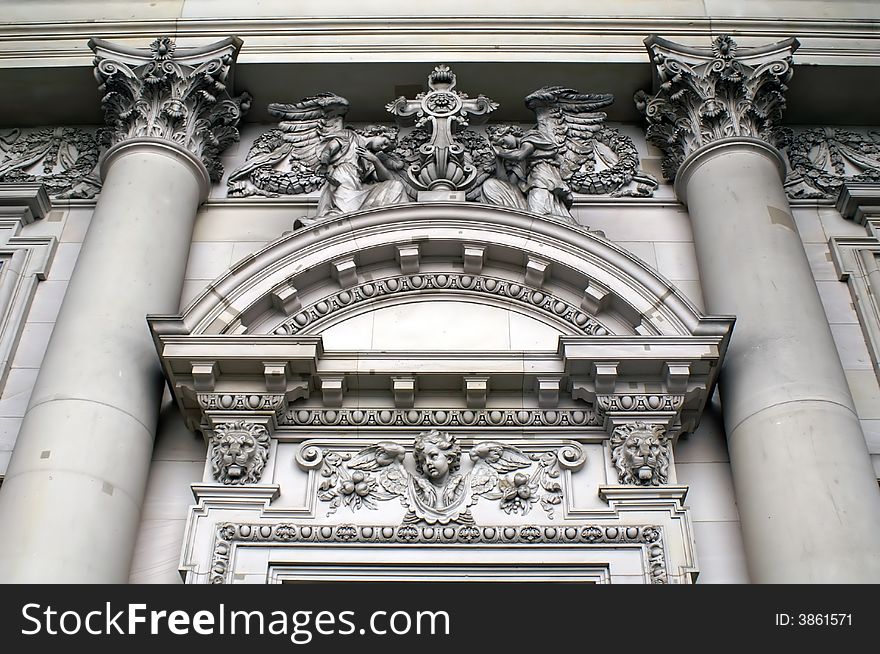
<point>711,94</point>
<point>239,451</point>
<point>640,454</point>
<point>173,94</point>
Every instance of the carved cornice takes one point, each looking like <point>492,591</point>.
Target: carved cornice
<point>447,418</point>
<point>452,282</point>
<point>230,534</point>
<point>182,96</point>
<point>711,94</point>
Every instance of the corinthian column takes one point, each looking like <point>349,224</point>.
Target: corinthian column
<point>806,492</point>
<point>70,504</point>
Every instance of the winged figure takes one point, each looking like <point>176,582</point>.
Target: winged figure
<point>533,165</point>
<point>354,169</point>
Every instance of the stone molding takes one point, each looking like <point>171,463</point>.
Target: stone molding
<point>720,148</point>
<point>710,94</point>
<point>857,259</point>
<point>299,39</point>
<point>558,309</point>
<point>228,535</point>
<point>183,96</point>
<point>142,144</point>
<point>24,262</point>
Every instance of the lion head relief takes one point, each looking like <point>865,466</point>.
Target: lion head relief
<point>640,453</point>
<point>240,451</point>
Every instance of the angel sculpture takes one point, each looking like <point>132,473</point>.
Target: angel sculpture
<point>439,492</point>
<point>354,169</point>
<point>533,166</point>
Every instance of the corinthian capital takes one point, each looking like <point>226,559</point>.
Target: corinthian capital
<point>707,94</point>
<point>181,95</point>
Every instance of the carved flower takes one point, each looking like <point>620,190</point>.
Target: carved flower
<point>162,48</point>
<point>346,532</point>
<point>530,534</point>
<point>174,109</point>
<point>285,532</point>
<point>592,534</point>
<point>712,108</point>
<point>724,47</point>
<point>408,533</point>
<point>651,534</point>
<point>468,534</point>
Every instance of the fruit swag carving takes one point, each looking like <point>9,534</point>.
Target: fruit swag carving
<point>435,488</point>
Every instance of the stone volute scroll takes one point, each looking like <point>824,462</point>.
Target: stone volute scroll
<point>711,94</point>
<point>179,95</point>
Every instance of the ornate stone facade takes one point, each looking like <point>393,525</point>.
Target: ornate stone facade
<point>449,335</point>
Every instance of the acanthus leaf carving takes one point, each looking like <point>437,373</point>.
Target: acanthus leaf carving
<point>437,491</point>
<point>640,454</point>
<point>177,95</point>
<point>707,95</point>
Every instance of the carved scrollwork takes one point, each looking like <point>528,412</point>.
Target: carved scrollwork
<point>178,96</point>
<point>63,159</point>
<point>403,284</point>
<point>640,454</point>
<point>239,451</point>
<point>648,536</point>
<point>706,95</point>
<point>436,490</point>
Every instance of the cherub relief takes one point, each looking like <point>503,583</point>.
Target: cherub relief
<point>439,491</point>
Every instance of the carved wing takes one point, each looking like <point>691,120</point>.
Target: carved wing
<point>377,456</point>
<point>385,459</point>
<point>305,122</point>
<point>570,119</point>
<point>498,456</point>
<point>297,140</point>
<point>491,460</point>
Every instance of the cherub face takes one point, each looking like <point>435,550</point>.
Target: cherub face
<point>436,465</point>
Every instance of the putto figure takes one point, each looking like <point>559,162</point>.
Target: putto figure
<point>438,486</point>
<point>355,169</point>
<point>533,166</point>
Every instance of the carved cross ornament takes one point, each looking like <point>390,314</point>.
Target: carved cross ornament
<point>435,148</point>
<point>706,94</point>
<point>181,95</point>
<point>442,165</point>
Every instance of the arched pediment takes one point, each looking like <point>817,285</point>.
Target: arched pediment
<point>535,265</point>
<point>456,298</point>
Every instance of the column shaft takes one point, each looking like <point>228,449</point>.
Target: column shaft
<point>70,504</point>
<point>807,496</point>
